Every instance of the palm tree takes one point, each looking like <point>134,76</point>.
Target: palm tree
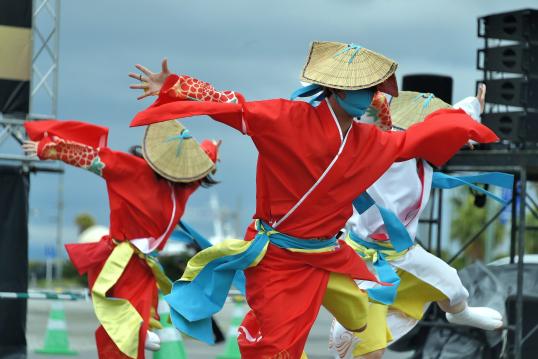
<point>84,221</point>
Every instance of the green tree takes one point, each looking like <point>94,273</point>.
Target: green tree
<point>84,221</point>
<point>467,220</point>
<point>531,236</point>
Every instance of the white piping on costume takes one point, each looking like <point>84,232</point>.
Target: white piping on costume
<point>335,119</point>
<point>142,243</point>
<point>426,187</point>
<point>303,198</point>
<point>243,123</point>
<point>249,336</point>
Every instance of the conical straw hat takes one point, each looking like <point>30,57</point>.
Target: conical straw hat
<point>346,66</point>
<point>174,154</point>
<point>412,107</point>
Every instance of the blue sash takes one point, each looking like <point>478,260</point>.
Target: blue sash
<point>384,271</point>
<point>193,302</point>
<point>396,231</point>
<point>186,234</point>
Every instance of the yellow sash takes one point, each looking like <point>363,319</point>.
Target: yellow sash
<point>118,316</point>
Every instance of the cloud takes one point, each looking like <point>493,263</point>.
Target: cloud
<point>255,47</point>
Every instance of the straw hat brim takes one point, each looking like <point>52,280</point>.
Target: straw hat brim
<point>412,107</point>
<point>329,64</point>
<point>174,159</point>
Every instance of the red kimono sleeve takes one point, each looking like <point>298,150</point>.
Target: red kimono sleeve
<point>79,144</point>
<point>439,136</point>
<point>73,153</point>
<point>81,132</point>
<point>183,96</point>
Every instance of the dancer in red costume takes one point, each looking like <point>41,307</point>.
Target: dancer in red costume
<point>313,162</point>
<point>144,208</point>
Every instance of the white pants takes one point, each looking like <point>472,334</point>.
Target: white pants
<point>425,267</point>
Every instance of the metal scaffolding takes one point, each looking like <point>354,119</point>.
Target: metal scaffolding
<point>523,164</point>
<point>43,101</point>
<point>44,83</point>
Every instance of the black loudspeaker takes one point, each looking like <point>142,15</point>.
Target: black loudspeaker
<point>515,59</point>
<point>440,86</point>
<point>530,314</point>
<point>519,25</point>
<point>517,126</point>
<point>520,92</point>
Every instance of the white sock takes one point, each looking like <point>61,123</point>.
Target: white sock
<point>479,317</point>
<point>153,342</point>
<point>342,342</point>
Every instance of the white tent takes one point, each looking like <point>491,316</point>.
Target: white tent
<point>92,234</point>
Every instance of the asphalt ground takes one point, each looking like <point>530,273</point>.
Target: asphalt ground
<point>81,323</point>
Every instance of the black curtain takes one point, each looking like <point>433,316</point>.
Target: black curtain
<point>14,188</point>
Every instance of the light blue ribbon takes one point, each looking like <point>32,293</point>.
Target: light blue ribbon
<point>396,231</point>
<point>186,234</point>
<point>309,91</point>
<point>306,91</point>
<point>184,135</point>
<point>193,303</point>
<point>287,242</point>
<point>428,98</point>
<point>349,47</point>
<point>384,271</point>
<point>499,179</point>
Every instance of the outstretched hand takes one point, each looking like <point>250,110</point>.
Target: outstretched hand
<point>30,148</point>
<point>150,82</point>
<point>481,96</point>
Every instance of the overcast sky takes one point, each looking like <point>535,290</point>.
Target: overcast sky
<point>255,47</point>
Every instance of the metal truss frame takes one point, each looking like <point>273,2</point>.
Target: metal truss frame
<point>45,61</point>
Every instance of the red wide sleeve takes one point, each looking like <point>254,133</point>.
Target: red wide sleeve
<point>79,144</point>
<point>441,135</point>
<point>81,132</point>
<point>120,166</point>
<point>229,112</point>
<point>183,96</point>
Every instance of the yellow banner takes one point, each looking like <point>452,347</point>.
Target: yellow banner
<point>15,53</point>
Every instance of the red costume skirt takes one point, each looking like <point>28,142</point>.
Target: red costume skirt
<point>137,284</point>
<point>285,292</point>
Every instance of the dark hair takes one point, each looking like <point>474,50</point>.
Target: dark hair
<point>136,150</point>
<point>205,182</point>
<point>208,181</point>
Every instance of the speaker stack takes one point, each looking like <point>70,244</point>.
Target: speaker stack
<point>509,61</point>
<point>439,85</point>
